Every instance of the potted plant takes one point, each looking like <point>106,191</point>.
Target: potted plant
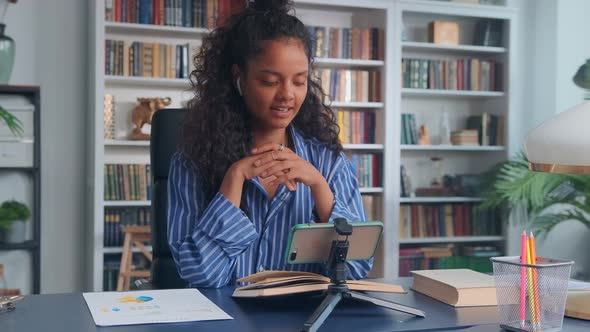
<point>548,198</point>
<point>13,215</point>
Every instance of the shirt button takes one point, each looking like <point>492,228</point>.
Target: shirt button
<point>261,268</point>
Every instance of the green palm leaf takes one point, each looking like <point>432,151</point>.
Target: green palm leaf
<point>514,184</point>
<point>544,223</point>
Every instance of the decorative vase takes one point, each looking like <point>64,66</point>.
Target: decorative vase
<point>6,55</point>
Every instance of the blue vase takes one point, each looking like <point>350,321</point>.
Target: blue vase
<point>6,56</point>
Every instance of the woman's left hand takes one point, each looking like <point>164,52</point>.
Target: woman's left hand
<point>289,169</point>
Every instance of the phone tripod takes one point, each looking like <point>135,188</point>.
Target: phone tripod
<point>338,290</point>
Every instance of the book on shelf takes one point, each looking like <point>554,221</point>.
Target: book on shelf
<point>409,129</point>
<point>115,218</point>
<point>347,43</point>
<point>367,168</point>
<point>356,127</point>
<point>127,182</point>
<point>465,137</point>
<point>405,183</point>
<point>179,13</point>
<point>143,59</point>
<point>456,287</point>
<point>274,283</point>
<point>469,74</point>
<point>490,128</point>
<point>345,85</point>
<point>447,220</point>
<point>373,206</point>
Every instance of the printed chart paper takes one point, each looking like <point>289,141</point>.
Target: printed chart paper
<point>152,306</point>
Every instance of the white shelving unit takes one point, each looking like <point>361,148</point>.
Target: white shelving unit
<point>428,104</point>
<point>385,14</point>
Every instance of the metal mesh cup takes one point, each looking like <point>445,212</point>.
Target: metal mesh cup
<point>546,281</point>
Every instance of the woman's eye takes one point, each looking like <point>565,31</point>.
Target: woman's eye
<point>270,83</point>
<point>299,83</point>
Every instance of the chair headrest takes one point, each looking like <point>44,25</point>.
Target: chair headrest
<point>166,124</point>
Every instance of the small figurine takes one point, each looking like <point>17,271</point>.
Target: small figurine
<point>423,138</point>
<point>142,114</point>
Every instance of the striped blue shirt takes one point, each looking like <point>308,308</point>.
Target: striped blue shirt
<point>214,243</point>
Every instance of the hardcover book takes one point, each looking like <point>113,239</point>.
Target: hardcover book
<point>457,287</point>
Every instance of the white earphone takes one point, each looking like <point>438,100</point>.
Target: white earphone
<point>238,85</point>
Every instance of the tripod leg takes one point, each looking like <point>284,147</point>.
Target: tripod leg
<point>388,304</point>
<point>322,312</point>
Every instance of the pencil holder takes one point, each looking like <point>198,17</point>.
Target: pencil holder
<point>545,292</point>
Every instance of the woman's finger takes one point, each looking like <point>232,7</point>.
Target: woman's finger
<point>273,155</point>
<point>279,168</point>
<point>269,147</point>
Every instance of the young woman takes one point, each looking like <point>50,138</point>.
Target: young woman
<point>259,154</point>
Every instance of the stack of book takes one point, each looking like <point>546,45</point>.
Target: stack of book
<point>465,137</point>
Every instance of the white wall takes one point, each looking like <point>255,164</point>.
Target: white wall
<point>51,51</point>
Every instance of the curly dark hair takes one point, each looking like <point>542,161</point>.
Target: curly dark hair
<point>217,130</point>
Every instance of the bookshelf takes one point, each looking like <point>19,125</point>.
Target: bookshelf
<point>427,103</point>
<point>125,89</point>
<point>390,16</point>
<point>20,177</point>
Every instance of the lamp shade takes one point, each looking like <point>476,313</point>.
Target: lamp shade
<point>562,143</point>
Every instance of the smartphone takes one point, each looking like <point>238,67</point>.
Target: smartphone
<point>311,243</point>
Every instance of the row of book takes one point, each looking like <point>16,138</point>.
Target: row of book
<point>490,128</point>
<point>128,58</point>
<point>427,258</point>
<point>367,169</point>
<point>114,219</point>
<point>485,129</point>
<point>181,13</point>
<point>110,272</point>
<point>127,182</point>
<point>356,127</point>
<point>347,43</point>
<point>434,220</point>
<point>405,183</point>
<point>373,206</point>
<point>462,74</point>
<point>409,129</point>
<point>350,85</point>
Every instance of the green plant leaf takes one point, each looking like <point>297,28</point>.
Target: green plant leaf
<point>544,223</point>
<point>13,123</point>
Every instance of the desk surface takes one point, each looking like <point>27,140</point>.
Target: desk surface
<point>68,312</point>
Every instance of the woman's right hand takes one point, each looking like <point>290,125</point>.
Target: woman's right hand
<point>245,169</point>
<point>240,171</point>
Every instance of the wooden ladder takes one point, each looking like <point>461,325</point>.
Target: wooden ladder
<point>134,236</point>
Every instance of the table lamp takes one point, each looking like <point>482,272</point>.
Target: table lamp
<point>562,145</point>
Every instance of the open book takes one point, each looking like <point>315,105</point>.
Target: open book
<point>457,287</point>
<point>273,283</point>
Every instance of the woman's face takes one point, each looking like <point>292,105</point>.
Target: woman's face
<point>275,84</point>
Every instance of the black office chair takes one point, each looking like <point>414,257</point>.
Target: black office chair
<point>164,142</point>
